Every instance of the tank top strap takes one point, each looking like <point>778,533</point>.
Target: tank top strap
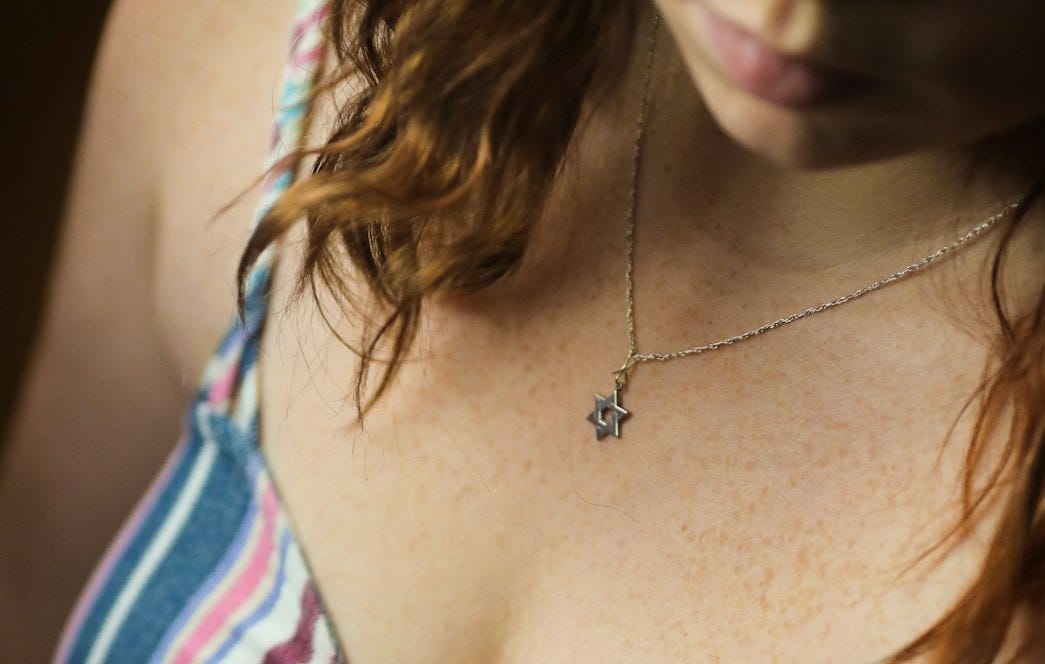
<point>228,384</point>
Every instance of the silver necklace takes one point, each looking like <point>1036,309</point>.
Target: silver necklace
<point>609,413</point>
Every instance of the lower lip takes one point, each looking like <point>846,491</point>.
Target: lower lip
<point>759,70</point>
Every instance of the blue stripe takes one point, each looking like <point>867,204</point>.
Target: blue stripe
<point>294,97</point>
<point>138,544</point>
<point>233,337</point>
<point>209,530</point>
<point>256,302</point>
<point>216,576</point>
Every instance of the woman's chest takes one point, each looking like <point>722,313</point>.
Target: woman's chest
<point>749,513</point>
<point>477,519</point>
<point>743,517</point>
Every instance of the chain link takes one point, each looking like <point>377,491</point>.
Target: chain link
<point>634,358</point>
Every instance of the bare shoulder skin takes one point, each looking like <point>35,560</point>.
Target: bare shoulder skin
<point>181,93</point>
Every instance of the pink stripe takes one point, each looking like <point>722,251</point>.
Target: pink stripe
<point>307,21</point>
<point>221,389</point>
<point>317,15</point>
<point>116,550</point>
<point>308,57</point>
<point>274,141</point>
<point>249,579</point>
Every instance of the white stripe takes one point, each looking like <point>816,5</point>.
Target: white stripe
<point>281,622</point>
<point>323,648</point>
<point>247,399</point>
<point>161,543</point>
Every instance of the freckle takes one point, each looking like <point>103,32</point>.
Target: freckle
<point>683,528</point>
<point>763,601</point>
<point>802,558</point>
<point>720,538</point>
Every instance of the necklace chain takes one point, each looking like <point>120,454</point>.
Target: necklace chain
<point>608,412</point>
<point>635,358</point>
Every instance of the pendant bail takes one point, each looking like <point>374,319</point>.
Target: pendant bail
<point>620,376</point>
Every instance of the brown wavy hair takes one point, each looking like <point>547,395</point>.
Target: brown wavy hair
<point>445,155</point>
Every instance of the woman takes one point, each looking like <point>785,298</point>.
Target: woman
<point>854,484</point>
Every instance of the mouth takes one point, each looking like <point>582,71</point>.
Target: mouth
<point>761,71</point>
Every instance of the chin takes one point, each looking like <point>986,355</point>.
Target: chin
<point>798,138</point>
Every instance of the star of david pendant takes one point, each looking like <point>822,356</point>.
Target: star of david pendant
<point>607,415</point>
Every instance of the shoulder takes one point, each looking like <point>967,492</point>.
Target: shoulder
<point>160,61</point>
<point>203,77</point>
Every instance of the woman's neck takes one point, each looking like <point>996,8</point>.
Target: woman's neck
<point>698,186</point>
<point>723,227</point>
<point>724,222</point>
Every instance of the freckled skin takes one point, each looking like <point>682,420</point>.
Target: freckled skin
<point>762,500</point>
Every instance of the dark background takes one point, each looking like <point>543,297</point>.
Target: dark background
<point>48,49</point>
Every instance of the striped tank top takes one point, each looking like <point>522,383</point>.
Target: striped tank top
<point>207,568</point>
